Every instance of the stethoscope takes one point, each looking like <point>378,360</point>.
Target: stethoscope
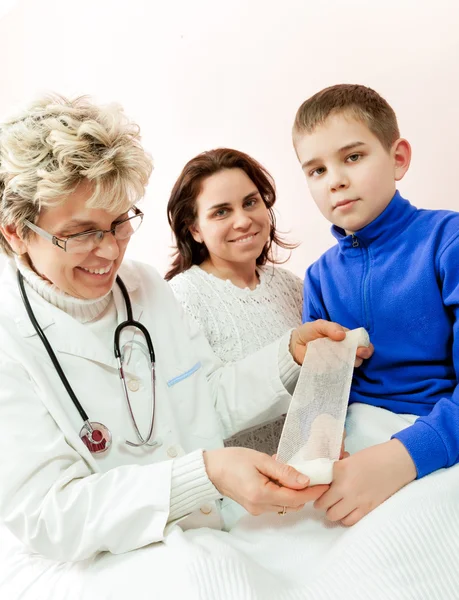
<point>96,437</point>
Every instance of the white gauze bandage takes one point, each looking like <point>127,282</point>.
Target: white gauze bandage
<point>313,430</point>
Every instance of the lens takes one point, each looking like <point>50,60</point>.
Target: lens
<point>127,228</point>
<point>86,242</point>
<point>82,243</point>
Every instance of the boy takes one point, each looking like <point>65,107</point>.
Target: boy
<point>394,271</point>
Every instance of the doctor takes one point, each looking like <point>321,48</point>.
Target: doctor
<point>103,452</point>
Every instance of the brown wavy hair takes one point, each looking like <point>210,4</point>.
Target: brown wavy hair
<point>182,212</point>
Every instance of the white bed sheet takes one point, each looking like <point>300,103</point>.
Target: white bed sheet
<point>408,548</point>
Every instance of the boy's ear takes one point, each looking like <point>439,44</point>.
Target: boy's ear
<point>14,240</point>
<point>401,151</point>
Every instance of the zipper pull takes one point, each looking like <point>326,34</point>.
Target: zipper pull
<point>355,241</point>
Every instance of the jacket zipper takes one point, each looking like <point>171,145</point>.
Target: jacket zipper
<point>366,312</point>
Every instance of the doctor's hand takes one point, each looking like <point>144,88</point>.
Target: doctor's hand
<point>258,482</point>
<point>309,332</point>
<point>365,480</point>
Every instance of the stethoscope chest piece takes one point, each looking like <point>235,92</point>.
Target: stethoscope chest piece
<point>96,437</point>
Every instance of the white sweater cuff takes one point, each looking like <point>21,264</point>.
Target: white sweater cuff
<point>190,485</point>
<point>288,369</point>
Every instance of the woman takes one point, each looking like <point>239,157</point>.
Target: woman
<point>100,465</point>
<point>221,212</point>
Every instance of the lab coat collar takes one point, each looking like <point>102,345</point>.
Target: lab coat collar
<point>66,334</point>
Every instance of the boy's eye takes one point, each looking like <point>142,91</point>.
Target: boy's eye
<point>317,172</point>
<point>354,157</point>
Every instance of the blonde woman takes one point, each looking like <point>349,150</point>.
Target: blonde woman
<point>103,450</point>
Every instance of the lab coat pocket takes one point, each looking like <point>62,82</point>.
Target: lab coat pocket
<point>184,375</point>
<point>194,410</point>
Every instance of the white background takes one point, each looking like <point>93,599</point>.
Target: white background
<point>198,74</point>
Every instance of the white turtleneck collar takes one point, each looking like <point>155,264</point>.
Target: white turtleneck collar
<point>82,310</point>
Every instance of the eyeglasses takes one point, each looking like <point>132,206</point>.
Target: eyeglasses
<point>89,240</point>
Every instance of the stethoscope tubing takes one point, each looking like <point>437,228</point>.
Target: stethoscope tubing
<point>130,323</point>
<point>88,428</point>
<point>49,349</point>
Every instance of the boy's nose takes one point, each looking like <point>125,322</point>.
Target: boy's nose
<point>338,182</point>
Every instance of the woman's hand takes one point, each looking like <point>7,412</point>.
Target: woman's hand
<point>258,482</point>
<point>309,332</point>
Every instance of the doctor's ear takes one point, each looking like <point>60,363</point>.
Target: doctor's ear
<point>13,238</point>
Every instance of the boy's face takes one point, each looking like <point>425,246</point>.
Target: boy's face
<point>350,175</point>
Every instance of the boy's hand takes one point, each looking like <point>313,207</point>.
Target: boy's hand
<point>365,480</point>
<point>308,332</point>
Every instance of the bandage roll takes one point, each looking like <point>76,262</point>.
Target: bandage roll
<point>313,431</point>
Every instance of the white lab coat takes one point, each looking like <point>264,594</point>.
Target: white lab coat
<point>57,498</point>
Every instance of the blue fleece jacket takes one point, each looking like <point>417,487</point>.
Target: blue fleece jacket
<point>399,278</point>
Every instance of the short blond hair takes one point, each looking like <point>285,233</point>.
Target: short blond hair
<point>56,143</point>
<point>357,101</point>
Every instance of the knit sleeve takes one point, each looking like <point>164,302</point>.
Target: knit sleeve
<point>190,485</point>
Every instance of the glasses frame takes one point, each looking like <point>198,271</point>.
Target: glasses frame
<point>62,242</point>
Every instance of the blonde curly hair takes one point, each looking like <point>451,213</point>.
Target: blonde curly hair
<point>46,151</point>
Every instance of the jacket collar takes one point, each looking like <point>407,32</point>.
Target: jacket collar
<point>390,223</point>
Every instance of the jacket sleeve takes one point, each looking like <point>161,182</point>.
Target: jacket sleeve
<point>433,440</point>
<point>53,501</point>
<point>313,308</point>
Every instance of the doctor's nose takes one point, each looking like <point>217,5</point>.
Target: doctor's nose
<point>108,247</point>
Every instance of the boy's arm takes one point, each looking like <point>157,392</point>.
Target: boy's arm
<point>367,478</point>
<point>433,441</point>
<point>313,307</point>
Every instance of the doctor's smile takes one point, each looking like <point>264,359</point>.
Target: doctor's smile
<point>97,270</point>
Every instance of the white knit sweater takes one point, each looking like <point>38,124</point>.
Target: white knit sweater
<point>240,321</point>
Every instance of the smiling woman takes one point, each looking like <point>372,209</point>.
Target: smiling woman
<point>221,212</point>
